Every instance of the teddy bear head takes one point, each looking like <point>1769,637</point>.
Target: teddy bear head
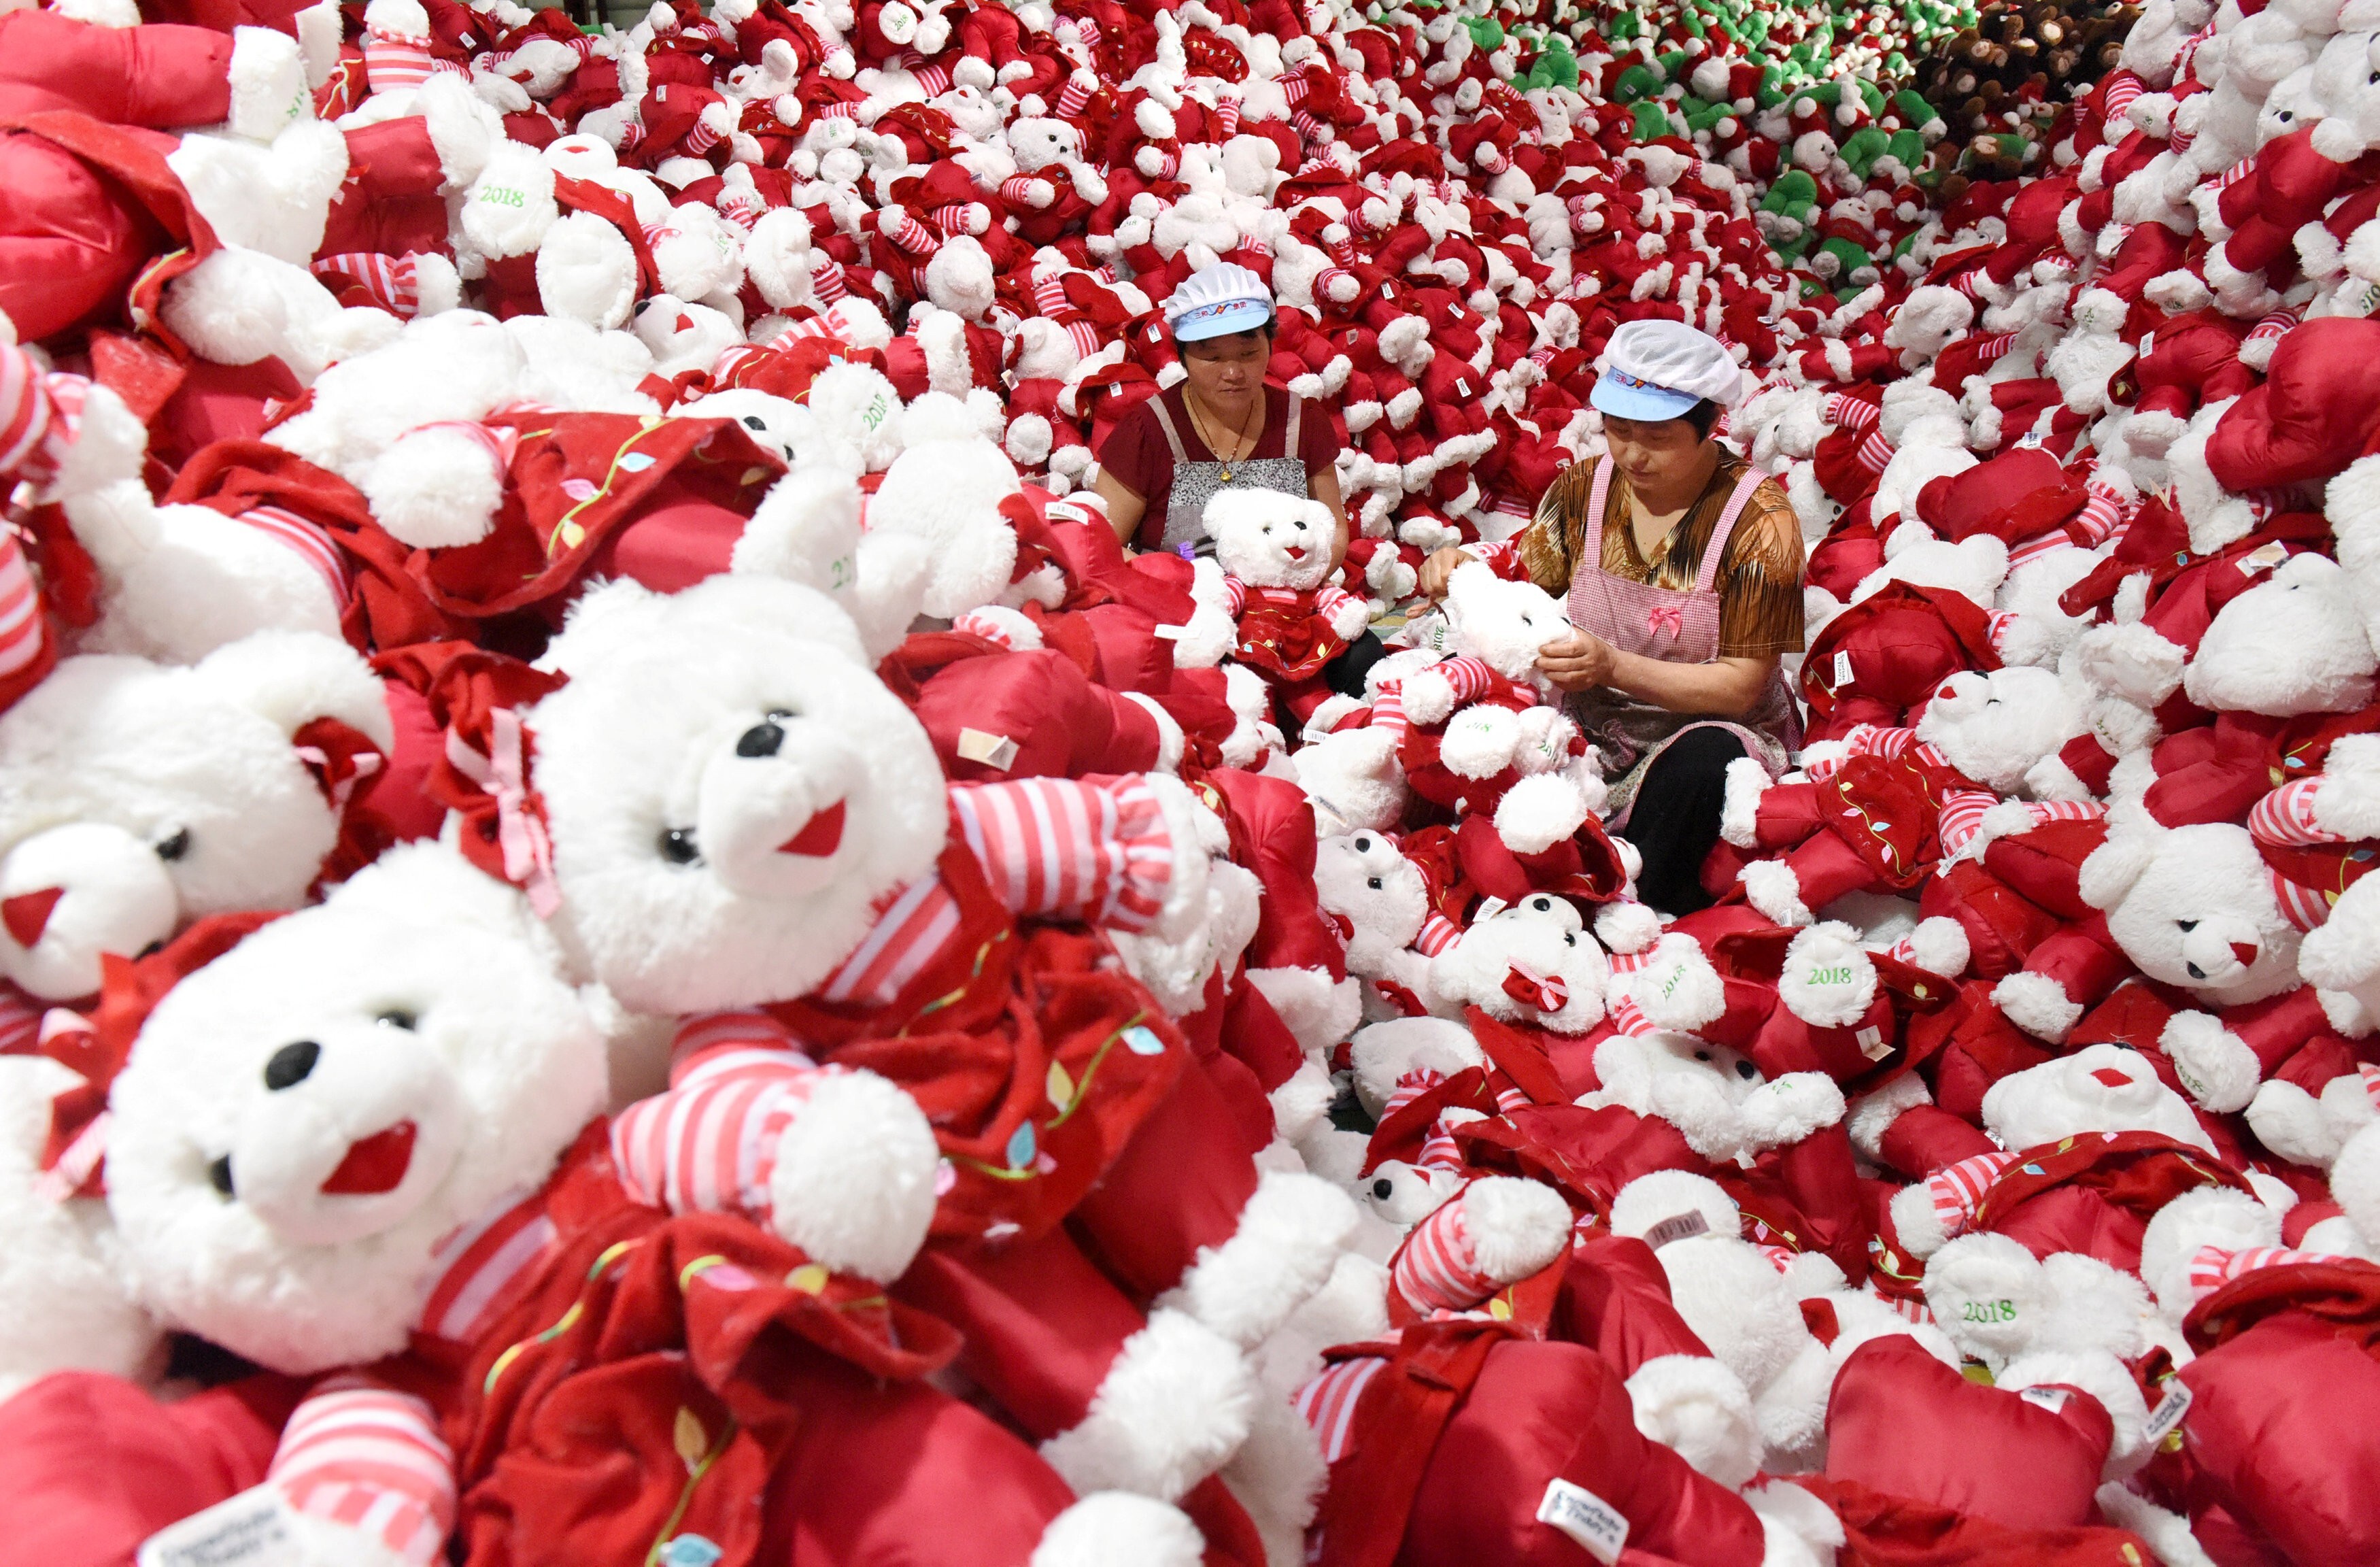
<point>728,788</point>
<point>681,337</point>
<point>2294,643</point>
<point>1995,727</point>
<point>2192,908</point>
<point>1533,962</point>
<point>1375,895</point>
<point>1039,143</point>
<point>1353,779</point>
<point>1502,624</point>
<point>136,797</point>
<point>2098,1088</point>
<point>776,424</point>
<point>302,1122</point>
<point>1269,539</point>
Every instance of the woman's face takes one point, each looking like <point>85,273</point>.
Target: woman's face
<point>1225,371</point>
<point>1654,455</point>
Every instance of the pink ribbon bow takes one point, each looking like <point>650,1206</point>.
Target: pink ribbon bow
<point>1670,616</point>
<point>529,853</point>
<point>1547,992</point>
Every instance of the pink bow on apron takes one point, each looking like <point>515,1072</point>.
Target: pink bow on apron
<point>1674,625</point>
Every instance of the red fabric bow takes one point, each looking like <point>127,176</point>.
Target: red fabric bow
<point>96,1047</point>
<point>1547,992</point>
<point>490,759</point>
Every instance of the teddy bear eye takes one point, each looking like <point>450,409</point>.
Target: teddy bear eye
<point>176,847</point>
<point>677,845</point>
<point>1373,884</point>
<point>397,1017</point>
<point>1744,1069</point>
<point>219,1175</point>
<point>1568,939</point>
<point>754,421</point>
<point>762,739</point>
<point>1702,1055</point>
<point>291,1064</point>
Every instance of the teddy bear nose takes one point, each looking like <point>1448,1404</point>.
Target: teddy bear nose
<point>760,740</point>
<point>290,1064</point>
<point>1384,1188</point>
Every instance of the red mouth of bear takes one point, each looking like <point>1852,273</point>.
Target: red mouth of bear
<point>27,914</point>
<point>819,836</point>
<point>374,1165</point>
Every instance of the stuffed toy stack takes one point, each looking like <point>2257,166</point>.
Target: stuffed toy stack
<point>712,974</point>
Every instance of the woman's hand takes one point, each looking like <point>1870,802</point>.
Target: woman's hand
<point>1577,660</point>
<point>1438,568</point>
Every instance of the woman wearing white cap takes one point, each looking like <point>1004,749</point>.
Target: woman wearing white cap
<point>1682,567</point>
<point>1219,427</point>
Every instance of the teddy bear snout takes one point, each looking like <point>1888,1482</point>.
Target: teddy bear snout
<point>74,892</point>
<point>776,807</point>
<point>2216,951</point>
<point>353,1126</point>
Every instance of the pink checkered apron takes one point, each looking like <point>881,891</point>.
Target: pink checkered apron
<point>1672,626</point>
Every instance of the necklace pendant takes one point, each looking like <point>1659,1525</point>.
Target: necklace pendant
<point>1227,476</point>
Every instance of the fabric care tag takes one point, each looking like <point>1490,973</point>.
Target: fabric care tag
<point>1677,1227</point>
<point>2051,1399</point>
<point>1873,1044</point>
<point>2166,1419</point>
<point>2262,559</point>
<point>247,1531</point>
<point>991,750</point>
<point>1842,670</point>
<point>1600,1528</point>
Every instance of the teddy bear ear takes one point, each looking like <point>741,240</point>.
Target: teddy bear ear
<point>294,678</point>
<point>2106,876</point>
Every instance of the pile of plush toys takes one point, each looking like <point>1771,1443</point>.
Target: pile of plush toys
<point>626,935</point>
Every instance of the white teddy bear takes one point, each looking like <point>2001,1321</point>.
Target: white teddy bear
<point>944,490</point>
<point>1715,1096</point>
<point>2192,908</point>
<point>1497,713</point>
<point>1748,1312</point>
<point>1534,962</point>
<point>136,797</point>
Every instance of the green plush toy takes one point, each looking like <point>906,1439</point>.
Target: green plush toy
<point>1555,65</point>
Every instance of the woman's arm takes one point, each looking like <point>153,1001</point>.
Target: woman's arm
<point>1123,506</point>
<point>1721,688</point>
<point>1323,486</point>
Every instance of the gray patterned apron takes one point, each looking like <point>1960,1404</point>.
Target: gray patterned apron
<point>1197,483</point>
<point>1675,626</point>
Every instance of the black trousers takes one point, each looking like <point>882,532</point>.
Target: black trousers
<point>1675,822</point>
<point>1345,674</point>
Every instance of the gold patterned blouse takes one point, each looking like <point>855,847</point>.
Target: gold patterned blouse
<point>1760,582</point>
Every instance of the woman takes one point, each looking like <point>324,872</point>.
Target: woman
<point>1222,427</point>
<point>1682,567</point>
<point>1219,425</point>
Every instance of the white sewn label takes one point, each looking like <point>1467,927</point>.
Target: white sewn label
<point>2051,1399</point>
<point>1842,670</point>
<point>2264,559</point>
<point>1873,1044</point>
<point>1600,1528</point>
<point>1677,1227</point>
<point>992,751</point>
<point>1169,632</point>
<point>2167,1417</point>
<point>246,1531</point>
